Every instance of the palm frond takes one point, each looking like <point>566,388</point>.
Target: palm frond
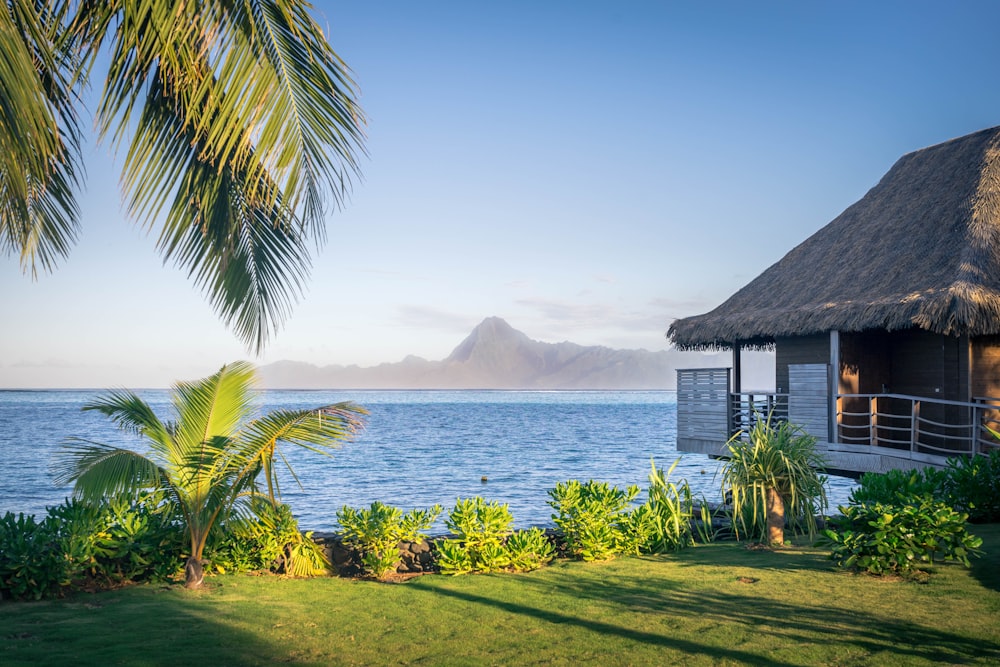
<point>127,410</point>
<point>244,119</point>
<point>319,430</point>
<point>98,470</point>
<point>39,138</point>
<point>214,406</point>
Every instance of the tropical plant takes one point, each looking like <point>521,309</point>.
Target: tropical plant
<point>972,486</point>
<point>268,539</point>
<point>671,509</point>
<point>890,486</point>
<point>480,529</point>
<point>598,520</point>
<point>378,530</point>
<point>119,538</point>
<point>529,549</point>
<point>32,563</point>
<point>240,123</point>
<point>880,538</point>
<point>210,460</point>
<point>774,478</point>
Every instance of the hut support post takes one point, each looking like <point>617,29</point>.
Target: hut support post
<point>737,368</point>
<point>834,376</point>
<point>873,421</point>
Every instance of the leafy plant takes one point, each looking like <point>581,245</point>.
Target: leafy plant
<point>893,485</point>
<point>207,462</point>
<point>883,538</point>
<point>480,529</point>
<point>972,485</point>
<point>595,519</point>
<point>529,549</point>
<point>378,530</point>
<point>671,509</point>
<point>453,557</point>
<point>774,478</point>
<point>32,564</point>
<point>268,539</point>
<point>119,538</point>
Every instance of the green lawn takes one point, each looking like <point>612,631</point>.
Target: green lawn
<point>710,605</point>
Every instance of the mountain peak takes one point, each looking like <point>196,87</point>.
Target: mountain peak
<point>491,334</point>
<point>497,356</point>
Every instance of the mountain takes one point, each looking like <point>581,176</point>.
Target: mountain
<point>497,356</point>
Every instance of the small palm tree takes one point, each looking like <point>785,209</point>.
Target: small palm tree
<point>778,469</point>
<point>210,459</point>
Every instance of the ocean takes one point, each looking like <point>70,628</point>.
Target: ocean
<point>419,448</point>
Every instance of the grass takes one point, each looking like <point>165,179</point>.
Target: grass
<point>718,604</point>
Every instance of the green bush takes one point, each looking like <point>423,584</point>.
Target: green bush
<point>895,486</point>
<point>598,521</point>
<point>972,485</point>
<point>81,544</point>
<point>529,549</point>
<point>881,538</point>
<point>32,563</point>
<point>378,530</point>
<point>484,542</point>
<point>671,510</point>
<point>267,540</point>
<point>480,530</point>
<point>120,538</point>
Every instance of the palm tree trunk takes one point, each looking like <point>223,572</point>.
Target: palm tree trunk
<point>775,518</point>
<point>194,573</point>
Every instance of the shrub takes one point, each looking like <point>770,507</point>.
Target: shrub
<point>80,544</point>
<point>895,486</point>
<point>480,530</point>
<point>32,564</point>
<point>529,549</point>
<point>671,510</point>
<point>883,538</point>
<point>269,539</point>
<point>774,479</point>
<point>378,530</point>
<point>597,520</point>
<point>972,485</point>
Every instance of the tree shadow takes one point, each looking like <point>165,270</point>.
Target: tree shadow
<point>111,629</point>
<point>857,630</point>
<point>986,569</point>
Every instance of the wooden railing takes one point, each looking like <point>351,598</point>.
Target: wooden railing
<point>707,412</point>
<point>746,408</point>
<point>918,424</point>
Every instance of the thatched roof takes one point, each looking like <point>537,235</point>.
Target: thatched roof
<point>921,249</point>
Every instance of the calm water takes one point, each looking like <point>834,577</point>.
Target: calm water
<point>419,448</point>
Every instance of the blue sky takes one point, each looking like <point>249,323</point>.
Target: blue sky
<point>588,171</point>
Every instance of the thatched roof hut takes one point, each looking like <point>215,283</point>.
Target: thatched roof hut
<point>920,250</point>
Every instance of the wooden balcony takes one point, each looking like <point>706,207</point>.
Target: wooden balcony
<point>871,432</point>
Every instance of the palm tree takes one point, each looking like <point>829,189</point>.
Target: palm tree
<point>778,469</point>
<point>240,124</point>
<point>210,459</point>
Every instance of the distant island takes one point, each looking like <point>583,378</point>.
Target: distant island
<point>497,356</point>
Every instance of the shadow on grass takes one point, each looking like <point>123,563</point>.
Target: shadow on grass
<point>115,629</point>
<point>829,623</point>
<point>986,569</point>
<point>603,628</point>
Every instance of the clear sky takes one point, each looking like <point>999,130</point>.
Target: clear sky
<point>589,171</point>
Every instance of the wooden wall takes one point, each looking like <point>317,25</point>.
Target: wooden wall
<point>799,350</point>
<point>986,367</point>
